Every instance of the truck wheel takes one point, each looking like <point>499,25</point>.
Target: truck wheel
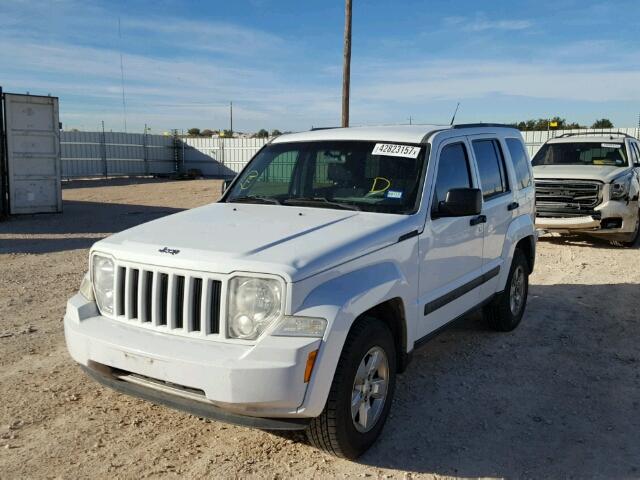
<point>631,238</point>
<point>361,392</point>
<point>506,310</point>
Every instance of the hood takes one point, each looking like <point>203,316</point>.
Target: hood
<point>602,173</point>
<point>293,242</point>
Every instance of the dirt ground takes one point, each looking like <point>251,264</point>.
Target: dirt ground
<point>557,398</point>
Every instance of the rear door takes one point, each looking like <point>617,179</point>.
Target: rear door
<point>33,153</point>
<point>499,206</point>
<point>450,248</point>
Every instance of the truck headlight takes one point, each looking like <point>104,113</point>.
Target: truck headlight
<point>103,282</point>
<point>253,304</point>
<point>620,187</point>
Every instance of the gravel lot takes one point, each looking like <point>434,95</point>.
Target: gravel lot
<point>557,398</point>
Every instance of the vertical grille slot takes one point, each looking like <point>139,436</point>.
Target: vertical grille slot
<point>148,297</point>
<point>164,296</point>
<point>179,303</point>
<point>121,293</point>
<point>196,303</point>
<point>214,315</point>
<point>133,292</point>
<point>168,300</point>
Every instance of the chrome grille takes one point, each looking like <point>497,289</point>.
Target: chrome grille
<point>170,301</point>
<point>578,197</point>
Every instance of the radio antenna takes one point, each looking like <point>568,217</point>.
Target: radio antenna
<point>455,113</point>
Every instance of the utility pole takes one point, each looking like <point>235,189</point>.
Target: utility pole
<point>346,65</point>
<point>231,116</point>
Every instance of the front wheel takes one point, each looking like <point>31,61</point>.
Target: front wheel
<point>505,312</point>
<point>361,392</point>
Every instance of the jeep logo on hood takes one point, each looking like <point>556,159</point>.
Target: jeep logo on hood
<point>171,251</point>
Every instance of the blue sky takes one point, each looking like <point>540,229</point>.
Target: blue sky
<point>280,61</point>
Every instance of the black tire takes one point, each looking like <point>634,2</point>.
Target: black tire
<point>334,431</point>
<point>630,239</point>
<point>499,312</point>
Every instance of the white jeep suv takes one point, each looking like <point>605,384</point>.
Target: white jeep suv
<point>294,301</point>
<point>589,183</point>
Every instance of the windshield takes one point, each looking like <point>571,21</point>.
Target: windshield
<point>586,153</point>
<point>354,175</point>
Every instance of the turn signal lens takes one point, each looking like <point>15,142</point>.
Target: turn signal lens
<point>311,360</point>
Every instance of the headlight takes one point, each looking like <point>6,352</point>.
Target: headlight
<point>620,187</point>
<point>253,304</point>
<point>103,281</point>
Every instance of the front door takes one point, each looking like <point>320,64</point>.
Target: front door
<point>450,248</point>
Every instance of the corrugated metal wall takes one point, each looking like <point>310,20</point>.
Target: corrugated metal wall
<point>220,156</point>
<point>89,154</point>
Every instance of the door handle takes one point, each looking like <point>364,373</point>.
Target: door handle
<point>478,220</point>
<point>513,206</point>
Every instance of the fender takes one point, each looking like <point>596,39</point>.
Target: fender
<point>519,228</point>
<point>341,300</point>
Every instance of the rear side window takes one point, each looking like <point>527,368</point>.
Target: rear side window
<point>520,162</point>
<point>453,171</point>
<point>493,177</point>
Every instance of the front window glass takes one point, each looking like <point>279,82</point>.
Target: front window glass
<point>354,175</point>
<point>582,153</point>
<point>453,172</point>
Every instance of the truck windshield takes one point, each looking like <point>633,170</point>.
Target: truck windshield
<point>585,153</point>
<point>354,175</point>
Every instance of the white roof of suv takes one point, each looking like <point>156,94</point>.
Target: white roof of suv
<point>393,133</point>
<point>591,137</point>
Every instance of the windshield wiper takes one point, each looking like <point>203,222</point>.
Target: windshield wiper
<point>256,199</point>
<point>320,201</point>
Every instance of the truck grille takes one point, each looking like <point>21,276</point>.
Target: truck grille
<point>567,197</point>
<point>170,301</point>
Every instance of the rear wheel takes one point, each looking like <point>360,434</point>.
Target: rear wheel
<point>631,238</point>
<point>361,392</point>
<point>505,312</point>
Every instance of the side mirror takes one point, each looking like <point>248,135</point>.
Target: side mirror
<point>461,202</point>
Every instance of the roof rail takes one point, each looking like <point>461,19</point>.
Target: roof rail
<point>472,125</point>
<point>313,129</point>
<point>600,134</point>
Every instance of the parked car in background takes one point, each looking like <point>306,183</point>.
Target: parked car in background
<point>589,183</point>
<point>294,301</point>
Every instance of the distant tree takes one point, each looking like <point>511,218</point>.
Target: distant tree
<point>546,123</point>
<point>194,132</point>
<point>602,123</point>
<point>262,133</point>
<point>226,133</point>
<point>275,132</point>
<point>207,133</point>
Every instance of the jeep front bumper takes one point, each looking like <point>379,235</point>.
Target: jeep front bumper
<point>260,385</point>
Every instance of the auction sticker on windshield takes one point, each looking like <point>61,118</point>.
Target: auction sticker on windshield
<point>394,150</point>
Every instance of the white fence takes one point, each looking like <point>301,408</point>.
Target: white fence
<point>89,154</point>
